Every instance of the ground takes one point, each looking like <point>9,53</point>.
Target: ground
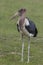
<point>10,44</point>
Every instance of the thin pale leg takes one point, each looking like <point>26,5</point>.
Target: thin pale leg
<point>22,55</point>
<point>28,50</point>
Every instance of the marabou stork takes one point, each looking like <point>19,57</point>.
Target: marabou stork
<point>26,27</point>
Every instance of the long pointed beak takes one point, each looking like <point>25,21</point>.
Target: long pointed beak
<point>14,16</point>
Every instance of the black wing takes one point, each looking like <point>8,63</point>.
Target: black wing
<point>32,28</point>
<point>18,28</point>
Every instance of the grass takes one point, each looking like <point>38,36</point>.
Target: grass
<point>9,36</point>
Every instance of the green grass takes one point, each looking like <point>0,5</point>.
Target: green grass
<point>9,36</point>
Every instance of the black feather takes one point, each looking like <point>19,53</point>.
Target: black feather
<point>32,28</point>
<point>36,32</point>
<point>18,28</point>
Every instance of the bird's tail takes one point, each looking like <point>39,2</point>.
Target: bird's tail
<point>36,32</point>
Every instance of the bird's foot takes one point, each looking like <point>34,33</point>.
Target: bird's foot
<point>22,60</point>
<point>28,61</point>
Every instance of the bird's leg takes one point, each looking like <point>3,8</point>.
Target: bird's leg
<point>28,50</point>
<point>22,49</point>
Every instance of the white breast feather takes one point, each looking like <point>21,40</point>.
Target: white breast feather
<point>26,22</point>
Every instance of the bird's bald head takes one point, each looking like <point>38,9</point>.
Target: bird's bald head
<point>21,11</point>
